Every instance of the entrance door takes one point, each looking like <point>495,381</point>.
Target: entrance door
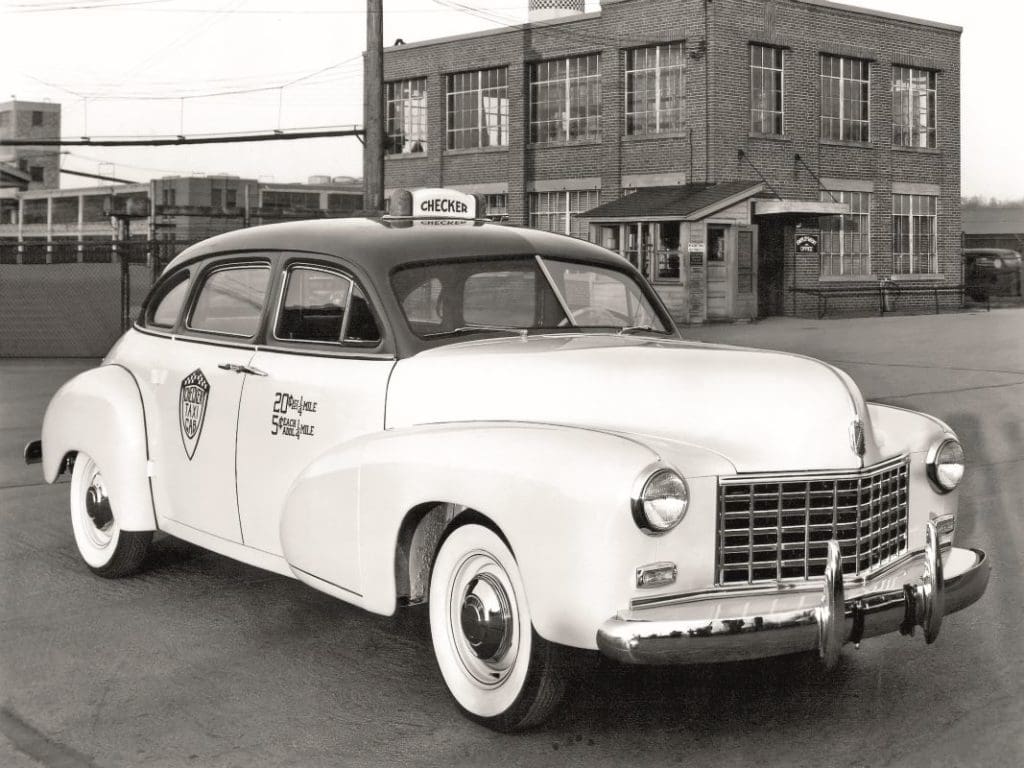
<point>770,261</point>
<point>719,283</point>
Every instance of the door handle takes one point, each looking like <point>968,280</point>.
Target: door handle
<point>242,369</point>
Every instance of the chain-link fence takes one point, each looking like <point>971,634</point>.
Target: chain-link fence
<point>73,299</point>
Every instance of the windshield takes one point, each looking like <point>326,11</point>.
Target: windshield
<point>519,295</point>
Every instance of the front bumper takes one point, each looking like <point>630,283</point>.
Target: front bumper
<point>917,591</point>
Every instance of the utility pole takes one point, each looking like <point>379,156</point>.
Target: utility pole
<point>373,108</point>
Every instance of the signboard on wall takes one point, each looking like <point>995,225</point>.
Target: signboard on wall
<point>806,243</point>
<point>696,251</point>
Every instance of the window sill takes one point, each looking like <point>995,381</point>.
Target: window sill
<point>564,144</point>
<point>476,151</point>
<point>408,156</point>
<point>849,279</point>
<point>654,136</point>
<point>847,143</point>
<point>931,277</point>
<point>918,150</point>
<point>770,137</point>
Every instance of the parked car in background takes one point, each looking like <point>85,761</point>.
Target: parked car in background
<point>994,272</point>
<point>506,424</point>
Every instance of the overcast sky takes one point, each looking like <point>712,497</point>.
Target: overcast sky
<point>140,67</point>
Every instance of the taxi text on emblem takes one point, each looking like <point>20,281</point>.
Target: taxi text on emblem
<point>195,392</point>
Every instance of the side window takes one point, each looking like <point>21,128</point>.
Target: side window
<point>422,303</point>
<point>164,312</point>
<point>231,301</point>
<point>323,306</point>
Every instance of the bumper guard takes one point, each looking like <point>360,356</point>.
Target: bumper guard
<point>836,620</point>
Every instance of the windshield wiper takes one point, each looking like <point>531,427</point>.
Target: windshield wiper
<point>634,328</point>
<point>475,329</point>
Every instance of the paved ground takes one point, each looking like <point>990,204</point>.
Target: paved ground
<point>201,661</point>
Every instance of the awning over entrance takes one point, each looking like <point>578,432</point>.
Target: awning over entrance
<point>798,208</point>
<point>683,202</point>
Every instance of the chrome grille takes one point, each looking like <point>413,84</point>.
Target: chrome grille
<point>777,528</point>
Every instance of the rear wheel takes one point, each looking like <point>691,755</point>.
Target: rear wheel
<point>105,548</point>
<point>501,673</point>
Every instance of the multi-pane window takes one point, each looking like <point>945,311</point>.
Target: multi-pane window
<point>914,233</point>
<point>406,103</point>
<point>844,98</point>
<point>557,211</point>
<point>565,100</point>
<point>655,89</point>
<point>846,239</point>
<point>766,89</point>
<point>478,109</point>
<point>913,107</point>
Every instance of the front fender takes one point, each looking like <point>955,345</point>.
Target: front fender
<point>100,412</point>
<point>560,495</point>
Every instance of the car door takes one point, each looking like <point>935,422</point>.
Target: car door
<point>196,387</point>
<point>327,370</point>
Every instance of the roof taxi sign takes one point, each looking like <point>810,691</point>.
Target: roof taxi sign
<point>435,203</point>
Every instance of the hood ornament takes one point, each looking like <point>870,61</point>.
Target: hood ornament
<point>857,437</point>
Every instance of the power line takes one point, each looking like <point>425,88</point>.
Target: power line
<point>230,138</point>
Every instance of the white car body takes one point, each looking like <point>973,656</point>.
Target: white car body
<point>346,470</point>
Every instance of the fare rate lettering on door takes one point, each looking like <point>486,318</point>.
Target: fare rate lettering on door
<point>288,417</point>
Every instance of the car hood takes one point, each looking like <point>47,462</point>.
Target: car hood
<point>763,411</point>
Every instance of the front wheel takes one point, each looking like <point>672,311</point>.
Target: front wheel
<point>501,673</point>
<point>105,548</point>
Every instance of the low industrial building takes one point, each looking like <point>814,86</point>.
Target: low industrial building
<point>746,155</point>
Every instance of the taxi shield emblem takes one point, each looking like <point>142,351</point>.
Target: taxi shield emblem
<point>195,392</point>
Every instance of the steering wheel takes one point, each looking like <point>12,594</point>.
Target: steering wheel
<point>594,315</point>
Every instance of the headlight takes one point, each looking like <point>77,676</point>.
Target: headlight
<point>946,465</point>
<point>660,500</point>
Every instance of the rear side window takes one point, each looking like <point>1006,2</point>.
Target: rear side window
<point>324,306</point>
<point>165,311</point>
<point>231,301</point>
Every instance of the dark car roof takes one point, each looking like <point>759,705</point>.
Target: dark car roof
<point>376,247</point>
<point>380,245</point>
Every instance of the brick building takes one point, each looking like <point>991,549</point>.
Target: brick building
<point>29,167</point>
<point>743,153</point>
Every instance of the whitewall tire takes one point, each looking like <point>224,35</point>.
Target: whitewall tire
<point>499,670</point>
<point>105,548</point>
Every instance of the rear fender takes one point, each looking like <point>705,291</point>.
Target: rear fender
<point>100,412</point>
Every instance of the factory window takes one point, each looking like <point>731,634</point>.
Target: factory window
<point>170,196</point>
<point>558,211</point>
<point>845,96</point>
<point>344,202</point>
<point>914,235</point>
<point>65,210</point>
<point>281,199</point>
<point>846,239</point>
<point>37,117</point>
<point>478,109</point>
<point>913,107</point>
<point>766,90</point>
<point>565,100</point>
<point>655,89</point>
<point>406,116</point>
<point>36,172</point>
<point>5,119</point>
<point>34,211</point>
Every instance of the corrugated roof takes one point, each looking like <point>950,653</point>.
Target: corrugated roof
<point>679,201</point>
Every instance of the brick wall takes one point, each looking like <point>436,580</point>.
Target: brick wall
<point>717,109</point>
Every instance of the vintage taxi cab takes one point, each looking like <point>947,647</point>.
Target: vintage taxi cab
<point>506,424</point>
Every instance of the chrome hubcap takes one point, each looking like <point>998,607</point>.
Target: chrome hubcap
<point>486,618</point>
<point>97,504</point>
<point>483,619</point>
